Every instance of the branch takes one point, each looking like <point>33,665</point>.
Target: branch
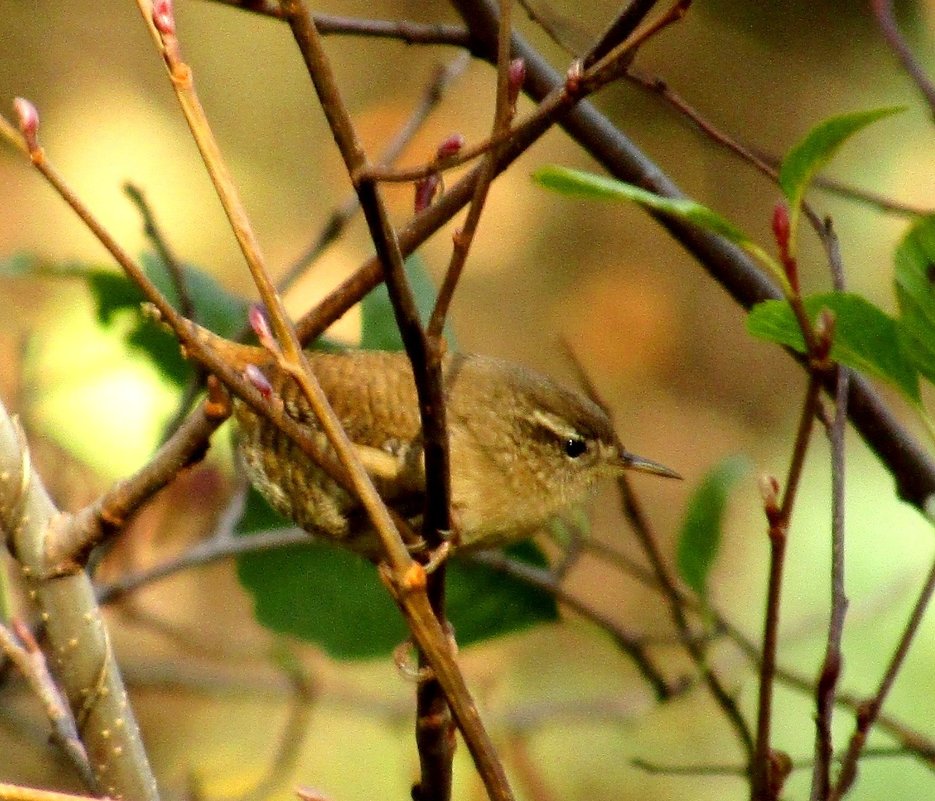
<point>831,668</point>
<point>84,664</point>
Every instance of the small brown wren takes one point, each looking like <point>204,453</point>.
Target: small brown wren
<point>522,448</point>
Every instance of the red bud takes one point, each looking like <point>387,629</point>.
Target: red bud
<point>517,77</point>
<point>782,232</point>
<point>450,146</point>
<point>781,226</point>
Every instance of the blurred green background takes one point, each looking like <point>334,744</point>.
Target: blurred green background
<point>665,346</point>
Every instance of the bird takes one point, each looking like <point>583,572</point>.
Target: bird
<point>523,448</point>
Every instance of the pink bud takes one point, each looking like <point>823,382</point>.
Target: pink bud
<point>258,379</point>
<point>426,189</point>
<point>450,146</point>
<point>259,322</point>
<point>28,118</point>
<point>517,76</point>
<point>164,17</point>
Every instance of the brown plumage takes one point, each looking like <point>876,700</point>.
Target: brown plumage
<point>523,448</point>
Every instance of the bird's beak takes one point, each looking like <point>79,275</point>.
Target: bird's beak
<point>630,461</point>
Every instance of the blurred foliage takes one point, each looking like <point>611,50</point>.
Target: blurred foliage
<point>702,527</point>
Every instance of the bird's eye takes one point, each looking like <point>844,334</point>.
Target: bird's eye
<point>575,447</point>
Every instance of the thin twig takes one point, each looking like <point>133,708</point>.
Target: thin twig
<point>23,651</point>
<point>620,29</point>
<point>632,645</point>
<point>826,686</point>
<point>332,24</point>
<point>212,550</point>
<point>164,251</point>
<point>427,630</point>
<point>883,11</point>
<point>868,712</point>
<point>657,769</point>
<point>763,786</point>
<point>465,236</point>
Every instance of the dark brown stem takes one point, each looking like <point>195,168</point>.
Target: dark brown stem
<point>389,255</point>
<point>762,784</point>
<point>434,729</point>
<point>428,379</point>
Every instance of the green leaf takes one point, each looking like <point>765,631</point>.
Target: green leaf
<point>865,337</point>
<point>700,537</point>
<point>915,293</point>
<point>378,323</point>
<point>328,596</point>
<point>813,152</point>
<point>577,183</point>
